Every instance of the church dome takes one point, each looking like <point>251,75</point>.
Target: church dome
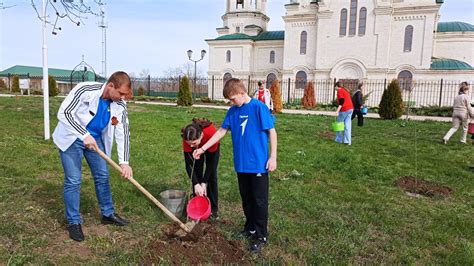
<point>449,64</point>
<point>454,26</point>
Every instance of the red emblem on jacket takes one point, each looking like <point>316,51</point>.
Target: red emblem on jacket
<point>114,121</point>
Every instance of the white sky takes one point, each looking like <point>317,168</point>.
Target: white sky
<point>141,34</point>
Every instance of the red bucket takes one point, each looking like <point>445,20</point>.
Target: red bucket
<point>199,208</point>
<point>470,128</point>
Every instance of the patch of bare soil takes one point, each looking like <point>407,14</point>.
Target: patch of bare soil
<point>421,187</point>
<point>60,245</point>
<point>203,245</point>
<point>326,134</point>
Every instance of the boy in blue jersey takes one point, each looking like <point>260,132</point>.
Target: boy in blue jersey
<point>251,124</point>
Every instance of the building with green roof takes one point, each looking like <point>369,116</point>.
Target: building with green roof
<point>65,78</point>
<point>344,39</point>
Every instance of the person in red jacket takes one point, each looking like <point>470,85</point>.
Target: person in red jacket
<point>344,113</point>
<point>204,181</point>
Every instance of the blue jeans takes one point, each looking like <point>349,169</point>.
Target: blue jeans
<point>345,117</point>
<point>71,160</point>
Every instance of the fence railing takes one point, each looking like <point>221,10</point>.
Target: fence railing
<point>416,93</point>
<point>64,83</point>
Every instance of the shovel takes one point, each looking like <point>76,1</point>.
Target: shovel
<point>186,228</point>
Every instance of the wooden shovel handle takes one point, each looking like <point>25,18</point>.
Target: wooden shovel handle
<point>144,191</point>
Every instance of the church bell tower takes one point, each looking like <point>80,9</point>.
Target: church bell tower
<point>244,16</point>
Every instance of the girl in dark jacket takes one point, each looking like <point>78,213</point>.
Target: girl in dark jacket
<point>195,135</point>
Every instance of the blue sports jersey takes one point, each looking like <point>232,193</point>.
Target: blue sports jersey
<point>101,118</point>
<point>249,125</point>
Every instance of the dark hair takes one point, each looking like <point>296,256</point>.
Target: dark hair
<point>338,84</point>
<point>259,83</point>
<point>359,86</point>
<point>463,87</point>
<point>193,131</point>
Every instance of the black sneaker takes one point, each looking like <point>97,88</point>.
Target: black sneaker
<point>114,219</point>
<point>75,232</point>
<point>258,244</point>
<point>247,234</point>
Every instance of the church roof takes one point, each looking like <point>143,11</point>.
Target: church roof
<point>449,64</point>
<point>264,36</point>
<point>454,26</point>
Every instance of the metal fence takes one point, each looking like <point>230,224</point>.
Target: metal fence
<point>167,87</point>
<point>64,83</point>
<point>416,93</point>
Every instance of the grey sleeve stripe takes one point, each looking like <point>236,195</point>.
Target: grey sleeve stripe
<point>126,132</point>
<point>74,103</point>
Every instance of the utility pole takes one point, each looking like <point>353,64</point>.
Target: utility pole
<point>45,76</point>
<point>103,26</point>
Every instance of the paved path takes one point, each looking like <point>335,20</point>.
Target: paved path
<point>309,112</point>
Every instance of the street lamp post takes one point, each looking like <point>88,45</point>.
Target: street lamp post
<point>190,53</point>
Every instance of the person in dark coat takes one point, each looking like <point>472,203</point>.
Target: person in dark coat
<point>358,105</point>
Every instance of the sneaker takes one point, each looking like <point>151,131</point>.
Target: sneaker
<point>114,219</point>
<point>247,234</point>
<point>75,232</point>
<point>258,244</point>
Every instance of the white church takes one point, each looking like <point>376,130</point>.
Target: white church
<point>343,39</point>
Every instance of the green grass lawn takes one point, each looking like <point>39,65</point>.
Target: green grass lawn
<point>329,203</point>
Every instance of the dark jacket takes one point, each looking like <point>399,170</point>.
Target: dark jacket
<point>357,99</point>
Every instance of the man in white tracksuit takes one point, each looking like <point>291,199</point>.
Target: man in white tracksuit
<point>89,118</point>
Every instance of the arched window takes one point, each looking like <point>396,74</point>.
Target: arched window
<point>353,18</point>
<point>343,23</point>
<point>228,56</point>
<point>301,80</point>
<point>226,77</point>
<point>239,2</point>
<point>303,40</point>
<point>405,78</point>
<point>362,20</point>
<point>270,78</point>
<point>408,38</point>
<point>272,57</point>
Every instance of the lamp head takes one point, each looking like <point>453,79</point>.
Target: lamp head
<point>190,53</point>
<point>203,53</point>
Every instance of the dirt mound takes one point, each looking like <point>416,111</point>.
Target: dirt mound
<point>326,134</point>
<point>421,187</point>
<point>205,244</point>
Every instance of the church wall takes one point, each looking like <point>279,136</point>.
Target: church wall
<point>422,42</point>
<point>294,61</point>
<point>240,58</point>
<point>455,45</point>
<point>262,65</point>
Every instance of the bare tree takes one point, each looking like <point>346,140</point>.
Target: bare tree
<point>184,70</point>
<point>73,10</point>
<point>144,73</point>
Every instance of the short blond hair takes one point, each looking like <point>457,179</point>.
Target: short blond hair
<point>232,87</point>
